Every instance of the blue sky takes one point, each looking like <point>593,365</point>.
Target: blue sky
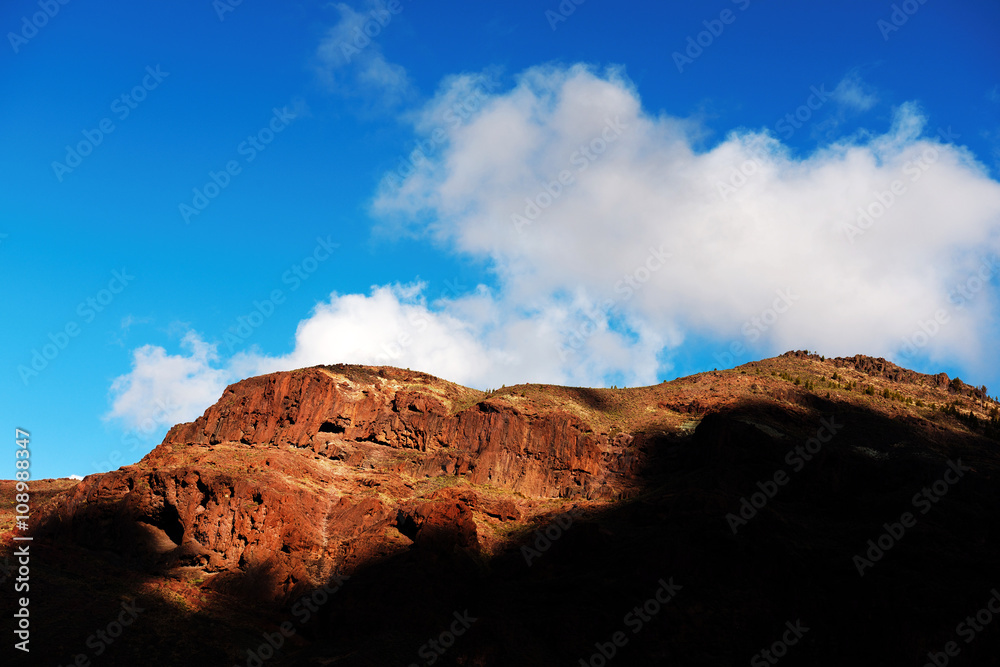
<point>597,194</point>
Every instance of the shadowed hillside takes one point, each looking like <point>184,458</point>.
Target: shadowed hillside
<point>367,516</point>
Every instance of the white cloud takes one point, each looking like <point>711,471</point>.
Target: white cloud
<point>645,244</point>
<point>470,339</point>
<point>164,389</point>
<point>391,326</point>
<point>781,227</point>
<point>350,59</point>
<point>854,93</point>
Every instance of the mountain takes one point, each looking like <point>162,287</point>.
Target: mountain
<point>817,511</point>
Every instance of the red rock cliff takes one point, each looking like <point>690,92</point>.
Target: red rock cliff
<point>295,476</point>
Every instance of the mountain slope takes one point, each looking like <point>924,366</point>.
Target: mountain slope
<point>547,514</point>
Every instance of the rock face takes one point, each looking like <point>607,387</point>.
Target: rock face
<point>538,455</point>
<point>877,367</point>
<point>296,476</point>
<point>544,513</point>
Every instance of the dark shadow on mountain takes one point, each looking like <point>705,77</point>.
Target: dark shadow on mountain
<point>556,597</point>
<point>791,562</point>
<point>595,399</point>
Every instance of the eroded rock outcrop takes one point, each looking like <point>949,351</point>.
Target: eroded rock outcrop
<point>293,477</point>
<point>540,455</point>
<point>542,511</point>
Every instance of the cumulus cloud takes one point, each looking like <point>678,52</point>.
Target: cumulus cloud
<point>391,326</point>
<point>163,389</point>
<point>350,59</point>
<point>613,242</point>
<point>744,220</point>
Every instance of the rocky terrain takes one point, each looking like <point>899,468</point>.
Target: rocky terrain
<point>350,515</point>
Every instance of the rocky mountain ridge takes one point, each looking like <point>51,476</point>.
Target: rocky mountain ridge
<point>293,480</point>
